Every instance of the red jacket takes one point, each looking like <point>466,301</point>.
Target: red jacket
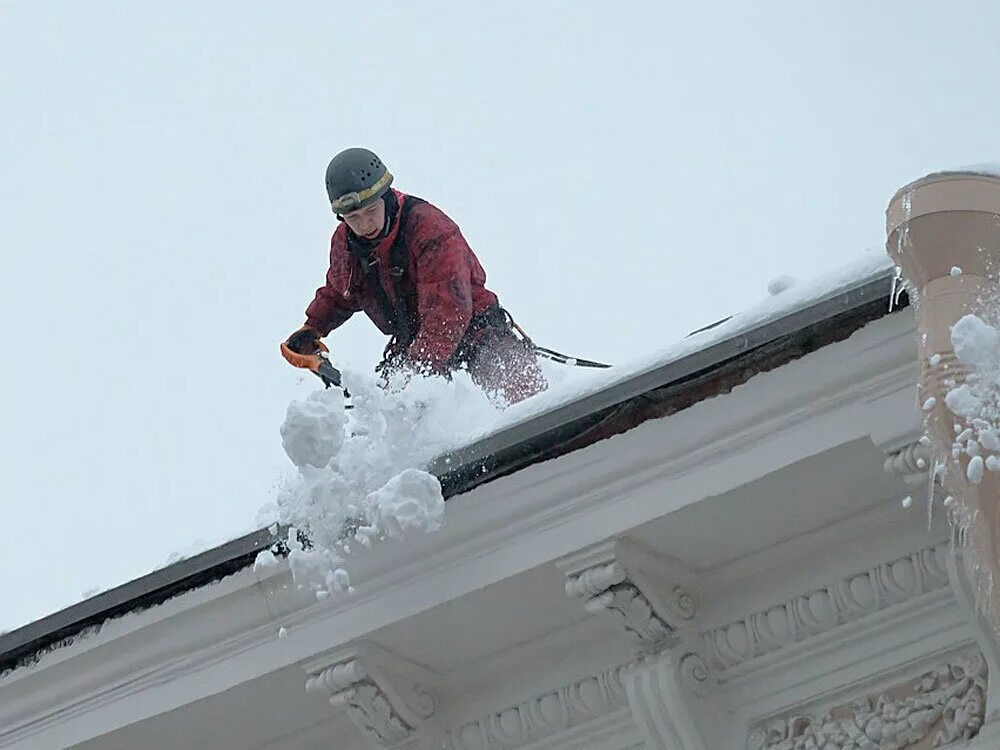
<point>444,283</point>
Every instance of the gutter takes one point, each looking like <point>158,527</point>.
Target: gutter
<point>653,394</point>
<point>667,389</point>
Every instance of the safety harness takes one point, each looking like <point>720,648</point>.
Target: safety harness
<point>403,320</point>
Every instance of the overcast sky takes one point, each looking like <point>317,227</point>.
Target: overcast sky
<point>625,176</point>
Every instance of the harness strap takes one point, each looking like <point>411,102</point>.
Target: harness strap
<point>399,260</point>
<point>398,316</point>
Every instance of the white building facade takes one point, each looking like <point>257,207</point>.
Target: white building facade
<point>711,554</point>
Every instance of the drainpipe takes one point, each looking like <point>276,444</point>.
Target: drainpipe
<point>943,231</point>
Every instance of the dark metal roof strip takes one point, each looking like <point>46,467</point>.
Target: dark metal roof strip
<point>478,460</point>
<point>151,589</point>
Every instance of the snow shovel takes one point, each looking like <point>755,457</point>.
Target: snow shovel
<point>317,363</point>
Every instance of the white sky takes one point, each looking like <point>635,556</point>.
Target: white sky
<point>625,177</point>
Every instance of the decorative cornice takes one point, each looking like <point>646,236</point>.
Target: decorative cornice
<point>544,716</point>
<point>663,692</point>
<point>381,692</point>
<point>811,614</point>
<point>947,702</point>
<point>59,696</point>
<point>652,596</point>
<point>912,462</point>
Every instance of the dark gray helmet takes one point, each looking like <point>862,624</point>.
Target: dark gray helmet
<point>355,178</point>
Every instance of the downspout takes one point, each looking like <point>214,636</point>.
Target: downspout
<point>943,232</point>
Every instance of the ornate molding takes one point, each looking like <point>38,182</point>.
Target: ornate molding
<point>807,615</point>
<point>912,462</point>
<point>652,596</point>
<point>386,697</point>
<point>946,703</point>
<point>544,716</point>
<point>665,694</point>
<point>694,673</point>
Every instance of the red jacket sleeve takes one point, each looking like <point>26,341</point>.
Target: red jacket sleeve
<point>336,300</point>
<point>443,262</point>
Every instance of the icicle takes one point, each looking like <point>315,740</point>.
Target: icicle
<point>894,289</point>
<point>932,476</point>
<point>902,240</point>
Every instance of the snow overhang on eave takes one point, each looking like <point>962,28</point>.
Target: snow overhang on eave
<point>658,392</point>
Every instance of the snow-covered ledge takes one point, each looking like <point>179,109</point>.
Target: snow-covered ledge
<point>943,232</point>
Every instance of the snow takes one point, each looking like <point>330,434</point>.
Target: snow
<point>313,431</point>
<point>411,501</point>
<point>976,342</point>
<point>360,471</point>
<point>976,401</point>
<point>196,547</point>
<point>964,403</point>
<point>988,169</point>
<point>579,383</point>
<point>991,169</point>
<point>989,440</point>
<point>780,284</point>
<point>265,559</point>
<point>975,469</point>
<point>359,475</point>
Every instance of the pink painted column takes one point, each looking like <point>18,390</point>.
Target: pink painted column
<point>943,231</point>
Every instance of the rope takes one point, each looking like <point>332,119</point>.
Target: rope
<point>563,359</point>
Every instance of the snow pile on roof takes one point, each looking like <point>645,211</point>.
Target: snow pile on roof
<point>987,168</point>
<point>360,470</point>
<point>785,296</point>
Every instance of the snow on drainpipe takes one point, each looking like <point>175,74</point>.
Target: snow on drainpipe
<point>943,231</point>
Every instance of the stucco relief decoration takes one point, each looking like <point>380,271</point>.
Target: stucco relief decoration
<point>946,705</point>
<point>387,711</point>
<point>652,610</point>
<point>544,716</point>
<point>621,597</point>
<point>842,601</point>
<point>695,673</point>
<point>912,462</point>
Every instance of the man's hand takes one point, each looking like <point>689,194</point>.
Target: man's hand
<point>304,341</point>
<point>300,348</point>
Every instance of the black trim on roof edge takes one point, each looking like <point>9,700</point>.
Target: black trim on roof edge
<point>649,395</point>
<point>607,412</point>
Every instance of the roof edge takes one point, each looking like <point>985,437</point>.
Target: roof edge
<point>543,437</point>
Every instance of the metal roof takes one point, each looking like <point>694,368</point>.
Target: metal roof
<point>651,394</point>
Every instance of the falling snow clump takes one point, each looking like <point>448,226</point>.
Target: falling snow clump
<point>976,402</point>
<point>359,477</point>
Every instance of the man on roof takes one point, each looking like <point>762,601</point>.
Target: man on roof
<point>404,263</point>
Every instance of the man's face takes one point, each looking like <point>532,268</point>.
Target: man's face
<point>367,222</point>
